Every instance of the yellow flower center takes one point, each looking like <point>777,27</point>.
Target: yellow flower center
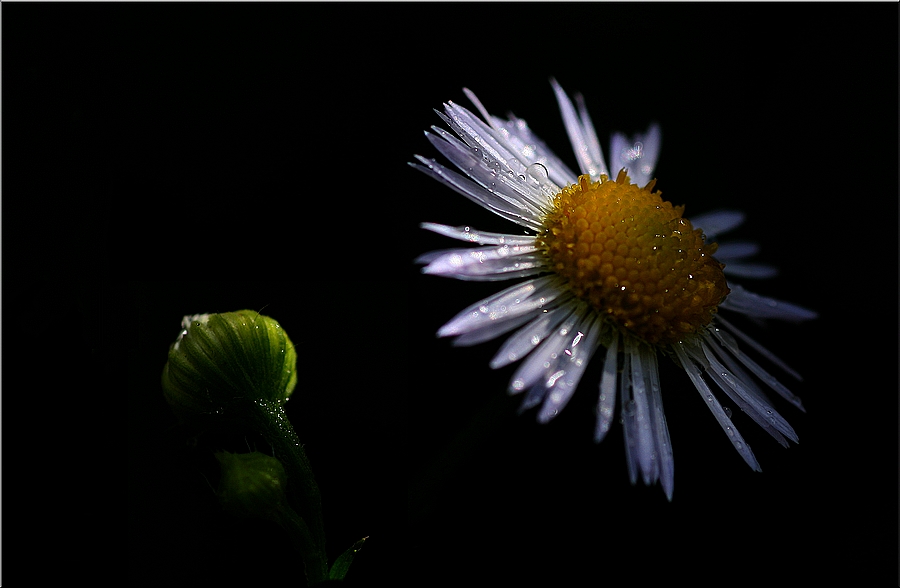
<point>632,256</point>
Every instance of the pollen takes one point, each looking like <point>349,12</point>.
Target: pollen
<point>634,258</point>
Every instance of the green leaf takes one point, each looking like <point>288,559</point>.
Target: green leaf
<point>342,563</point>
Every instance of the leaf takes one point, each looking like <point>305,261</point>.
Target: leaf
<point>342,563</point>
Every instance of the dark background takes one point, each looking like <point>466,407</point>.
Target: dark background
<point>163,159</point>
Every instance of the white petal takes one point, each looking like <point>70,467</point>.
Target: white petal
<point>637,154</point>
<point>754,305</point>
<point>718,222</point>
<point>713,403</point>
<point>640,446</point>
<point>493,176</point>
<point>513,302</point>
<point>578,353</point>
<point>607,403</point>
<point>528,337</point>
<point>476,193</point>
<point>473,235</point>
<point>543,362</point>
<point>648,447</point>
<point>756,271</point>
<point>757,347</point>
<point>743,395</point>
<point>735,250</point>
<point>499,159</point>
<point>530,148</point>
<point>490,331</point>
<point>499,262</point>
<point>582,136</point>
<point>658,422</point>
<point>730,344</point>
<point>730,252</point>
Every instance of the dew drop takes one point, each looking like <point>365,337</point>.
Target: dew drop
<point>727,411</point>
<point>538,171</point>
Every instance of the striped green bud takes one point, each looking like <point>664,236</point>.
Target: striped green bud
<point>221,361</point>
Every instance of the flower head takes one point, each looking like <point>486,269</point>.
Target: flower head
<point>611,268</point>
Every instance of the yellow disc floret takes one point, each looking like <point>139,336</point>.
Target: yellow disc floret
<point>632,256</point>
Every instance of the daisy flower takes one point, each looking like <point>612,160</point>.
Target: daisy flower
<point>609,268</point>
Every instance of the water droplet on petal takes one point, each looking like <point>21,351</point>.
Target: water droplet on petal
<point>538,171</point>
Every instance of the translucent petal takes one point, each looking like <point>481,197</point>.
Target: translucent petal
<point>756,271</point>
<point>476,193</point>
<point>563,382</point>
<point>665,466</point>
<point>637,154</point>
<point>718,222</point>
<point>493,176</point>
<point>490,331</point>
<point>758,348</point>
<point>528,337</point>
<point>729,343</point>
<point>638,427</point>
<point>628,412</point>
<point>607,403</point>
<point>713,403</point>
<point>741,393</point>
<point>757,306</point>
<point>735,250</point>
<point>465,233</point>
<point>500,262</point>
<point>515,301</point>
<point>491,144</point>
<point>582,136</point>
<point>530,148</point>
<point>543,362</point>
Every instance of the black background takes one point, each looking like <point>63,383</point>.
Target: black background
<point>167,159</point>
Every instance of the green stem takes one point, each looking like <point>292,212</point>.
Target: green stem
<point>301,538</point>
<point>271,421</point>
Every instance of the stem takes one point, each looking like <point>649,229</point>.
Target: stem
<point>302,541</point>
<point>309,535</point>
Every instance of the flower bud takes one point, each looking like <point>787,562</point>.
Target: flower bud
<point>221,361</point>
<point>252,485</point>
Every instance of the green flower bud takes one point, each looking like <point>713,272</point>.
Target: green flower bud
<point>252,485</point>
<point>242,365</point>
<point>220,361</point>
